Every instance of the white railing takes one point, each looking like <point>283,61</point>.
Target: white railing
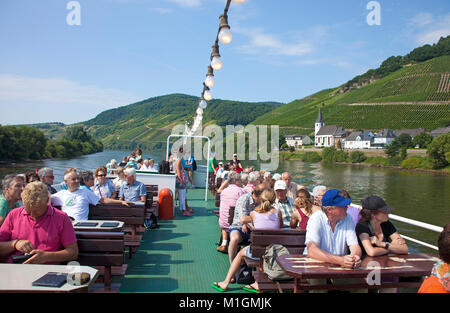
<point>414,223</point>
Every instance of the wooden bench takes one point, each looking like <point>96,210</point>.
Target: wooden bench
<point>103,250</point>
<point>132,216</point>
<point>292,239</point>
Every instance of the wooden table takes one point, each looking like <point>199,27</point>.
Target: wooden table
<point>294,265</point>
<point>98,227</point>
<point>19,277</point>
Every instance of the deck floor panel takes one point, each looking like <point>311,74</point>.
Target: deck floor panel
<point>180,256</point>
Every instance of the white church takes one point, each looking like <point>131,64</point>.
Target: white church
<point>328,136</point>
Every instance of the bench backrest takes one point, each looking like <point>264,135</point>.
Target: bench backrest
<point>100,248</point>
<point>129,215</point>
<point>292,239</point>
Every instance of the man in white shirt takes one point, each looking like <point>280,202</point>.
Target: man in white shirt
<point>75,201</point>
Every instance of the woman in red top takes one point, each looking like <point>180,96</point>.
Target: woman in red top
<point>439,280</point>
<point>305,209</point>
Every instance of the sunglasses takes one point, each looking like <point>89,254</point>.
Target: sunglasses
<point>101,175</point>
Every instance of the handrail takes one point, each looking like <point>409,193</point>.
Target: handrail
<point>414,223</point>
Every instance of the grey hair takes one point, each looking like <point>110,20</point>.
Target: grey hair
<point>233,177</point>
<point>276,176</point>
<point>318,189</point>
<point>84,176</point>
<point>244,177</point>
<point>44,171</point>
<point>8,179</point>
<point>130,172</point>
<point>253,176</point>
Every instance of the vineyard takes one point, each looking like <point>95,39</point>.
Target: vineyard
<point>413,97</point>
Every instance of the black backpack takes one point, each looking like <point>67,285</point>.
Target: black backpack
<point>164,167</point>
<point>194,166</point>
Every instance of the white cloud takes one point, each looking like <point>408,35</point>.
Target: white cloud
<point>263,43</point>
<point>429,29</point>
<point>48,96</point>
<point>163,10</point>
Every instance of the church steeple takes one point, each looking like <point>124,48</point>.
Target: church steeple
<point>319,117</point>
<point>319,122</point>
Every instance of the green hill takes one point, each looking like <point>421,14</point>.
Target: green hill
<point>149,122</point>
<point>415,96</point>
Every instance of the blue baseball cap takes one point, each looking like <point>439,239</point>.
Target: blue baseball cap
<point>333,198</point>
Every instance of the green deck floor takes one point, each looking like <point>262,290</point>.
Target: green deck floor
<point>181,255</point>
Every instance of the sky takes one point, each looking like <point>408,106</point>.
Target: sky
<point>125,51</point>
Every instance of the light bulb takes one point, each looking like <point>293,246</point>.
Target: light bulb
<point>216,63</point>
<point>209,81</point>
<point>225,35</point>
<point>239,1</point>
<point>207,95</point>
<point>203,104</point>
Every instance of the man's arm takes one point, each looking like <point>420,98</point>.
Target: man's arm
<point>69,253</point>
<point>316,253</point>
<point>398,244</point>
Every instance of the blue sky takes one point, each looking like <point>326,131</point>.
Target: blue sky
<point>125,51</point>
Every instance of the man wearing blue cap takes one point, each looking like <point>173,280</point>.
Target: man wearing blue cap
<point>331,231</point>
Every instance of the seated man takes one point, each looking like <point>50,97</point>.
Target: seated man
<point>46,176</point>
<point>283,203</point>
<point>12,188</point>
<point>330,232</point>
<point>133,190</point>
<point>238,232</point>
<point>38,229</point>
<point>75,201</point>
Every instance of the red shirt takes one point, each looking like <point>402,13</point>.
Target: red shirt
<point>52,232</point>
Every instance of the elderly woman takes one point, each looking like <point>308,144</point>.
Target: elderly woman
<point>112,167</point>
<point>120,179</point>
<point>132,190</point>
<point>253,180</point>
<point>318,193</point>
<point>12,186</point>
<point>228,198</point>
<point>87,180</point>
<point>104,187</point>
<point>38,229</point>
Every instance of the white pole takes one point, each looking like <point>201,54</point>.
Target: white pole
<point>207,170</point>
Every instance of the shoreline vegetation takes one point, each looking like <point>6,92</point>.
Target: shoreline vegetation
<point>25,143</point>
<point>436,160</point>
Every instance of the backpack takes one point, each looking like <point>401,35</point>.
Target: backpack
<point>244,275</point>
<point>152,222</point>
<point>270,266</point>
<point>194,165</point>
<point>164,167</point>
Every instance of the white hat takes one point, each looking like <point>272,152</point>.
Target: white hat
<point>280,185</point>
<point>234,155</point>
<point>220,163</point>
<point>276,176</point>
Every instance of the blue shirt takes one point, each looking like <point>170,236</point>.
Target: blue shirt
<point>132,193</point>
<point>106,190</point>
<point>336,243</point>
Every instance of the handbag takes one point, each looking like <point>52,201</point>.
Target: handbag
<point>244,275</point>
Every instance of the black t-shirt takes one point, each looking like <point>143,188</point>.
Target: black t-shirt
<point>365,228</point>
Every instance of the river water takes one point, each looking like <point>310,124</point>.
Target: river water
<point>420,196</point>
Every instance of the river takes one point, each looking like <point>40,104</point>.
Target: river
<point>421,196</point>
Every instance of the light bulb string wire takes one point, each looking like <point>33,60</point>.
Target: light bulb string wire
<point>215,48</point>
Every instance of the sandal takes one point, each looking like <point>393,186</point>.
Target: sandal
<point>249,288</point>
<point>217,287</point>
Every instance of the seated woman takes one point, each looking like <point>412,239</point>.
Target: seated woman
<point>439,280</point>
<point>376,234</point>
<point>120,179</point>
<point>38,229</point>
<point>304,206</point>
<point>264,216</point>
<point>104,187</point>
<point>112,167</point>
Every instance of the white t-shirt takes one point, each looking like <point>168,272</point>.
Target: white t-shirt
<point>75,204</point>
<point>148,168</point>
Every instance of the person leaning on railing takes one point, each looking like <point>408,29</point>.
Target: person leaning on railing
<point>38,229</point>
<point>439,280</point>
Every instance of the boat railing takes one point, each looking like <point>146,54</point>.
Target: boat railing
<point>414,223</point>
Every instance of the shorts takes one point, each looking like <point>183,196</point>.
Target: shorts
<point>245,236</point>
<point>249,255</point>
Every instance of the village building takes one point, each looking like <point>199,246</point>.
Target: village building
<point>359,140</point>
<point>298,140</point>
<point>328,135</point>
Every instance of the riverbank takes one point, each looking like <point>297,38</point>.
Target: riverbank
<point>373,159</point>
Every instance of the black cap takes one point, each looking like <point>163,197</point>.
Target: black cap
<point>375,203</point>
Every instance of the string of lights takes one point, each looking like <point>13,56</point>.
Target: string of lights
<point>224,36</point>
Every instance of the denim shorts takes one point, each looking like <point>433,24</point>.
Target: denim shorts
<point>249,255</point>
<point>245,236</point>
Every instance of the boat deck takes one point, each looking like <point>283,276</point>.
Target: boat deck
<point>180,256</point>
